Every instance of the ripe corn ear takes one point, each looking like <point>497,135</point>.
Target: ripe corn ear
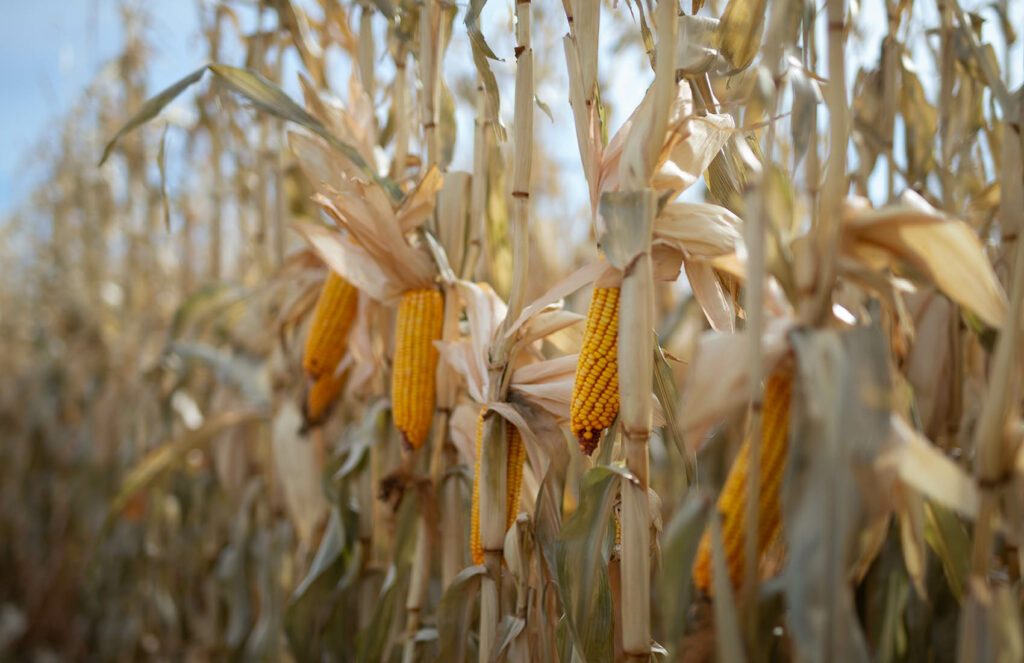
<point>513,483</point>
<point>595,394</point>
<point>413,385</point>
<point>321,395</point>
<point>328,332</point>
<point>732,500</point>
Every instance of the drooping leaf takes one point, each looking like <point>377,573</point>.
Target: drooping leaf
<point>679,546</point>
<point>161,459</point>
<point>582,553</point>
<point>455,615</point>
<point>265,96</point>
<point>151,108</point>
<point>481,54</point>
<point>668,396</point>
<point>318,595</point>
<point>248,376</point>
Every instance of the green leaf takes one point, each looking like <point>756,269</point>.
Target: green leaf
<point>455,615</point>
<point>151,108</point>
<point>668,396</point>
<point>582,553</point>
<point>679,544</point>
<point>317,597</point>
<point>947,537</point>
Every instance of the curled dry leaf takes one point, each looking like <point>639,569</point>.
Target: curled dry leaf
<point>944,250</point>
<point>922,466</point>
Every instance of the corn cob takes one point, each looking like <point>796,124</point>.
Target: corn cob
<point>595,394</point>
<point>732,500</point>
<point>328,332</point>
<point>413,385</point>
<point>322,394</point>
<point>513,483</point>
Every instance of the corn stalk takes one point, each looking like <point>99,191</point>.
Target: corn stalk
<point>494,452</point>
<point>629,215</point>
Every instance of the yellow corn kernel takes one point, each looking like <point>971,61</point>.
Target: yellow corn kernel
<point>514,473</point>
<point>513,483</point>
<point>595,394</point>
<point>413,384</point>
<point>328,332</point>
<point>732,500</point>
<point>321,395</point>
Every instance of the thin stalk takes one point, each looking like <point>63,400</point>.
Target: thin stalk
<point>812,165</point>
<point>494,452</point>
<point>834,191</point>
<point>367,51</point>
<point>630,218</point>
<point>400,96</point>
<point>478,187</point>
<point>430,74</point>
<point>523,161</point>
<point>418,581</point>
<point>754,306</point>
<point>493,490</point>
<point>948,77</point>
<point>636,304</point>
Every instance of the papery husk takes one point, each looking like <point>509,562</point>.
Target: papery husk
<point>944,250</point>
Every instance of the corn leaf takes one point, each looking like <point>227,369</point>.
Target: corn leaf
<point>164,457</point>
<point>582,553</point>
<point>265,96</point>
<point>455,615</point>
<point>949,540</point>
<point>151,108</point>
<point>739,32</point>
<point>679,545</point>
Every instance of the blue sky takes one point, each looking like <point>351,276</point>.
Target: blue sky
<point>52,49</point>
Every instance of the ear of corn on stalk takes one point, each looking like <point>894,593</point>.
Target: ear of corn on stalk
<point>321,395</point>
<point>514,483</point>
<point>413,385</point>
<point>732,500</point>
<point>595,394</point>
<point>328,332</point>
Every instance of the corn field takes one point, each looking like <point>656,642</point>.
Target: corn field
<point>415,330</point>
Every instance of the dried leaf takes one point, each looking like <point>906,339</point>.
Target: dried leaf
<point>946,251</point>
<point>739,34</point>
